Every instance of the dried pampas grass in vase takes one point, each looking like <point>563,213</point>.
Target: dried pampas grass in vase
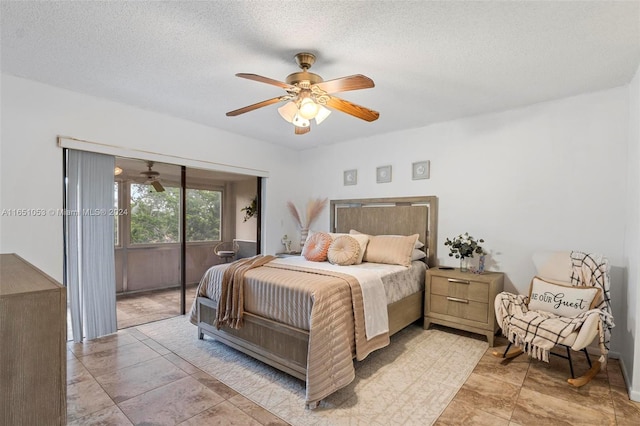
<point>314,208</point>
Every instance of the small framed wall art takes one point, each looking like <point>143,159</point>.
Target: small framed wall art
<point>350,177</point>
<point>420,170</point>
<point>383,174</point>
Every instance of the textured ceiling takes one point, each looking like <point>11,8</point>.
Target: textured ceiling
<point>431,61</point>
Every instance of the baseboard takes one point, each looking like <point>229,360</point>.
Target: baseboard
<point>634,395</point>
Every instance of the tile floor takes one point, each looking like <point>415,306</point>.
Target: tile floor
<point>527,392</point>
<point>129,378</point>
<point>140,308</point>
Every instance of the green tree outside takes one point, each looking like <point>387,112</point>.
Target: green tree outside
<point>155,216</point>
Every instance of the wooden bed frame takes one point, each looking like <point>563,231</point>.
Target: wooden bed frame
<point>285,347</point>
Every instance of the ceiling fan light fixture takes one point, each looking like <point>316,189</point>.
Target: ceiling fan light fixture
<point>300,121</point>
<point>322,114</point>
<point>308,94</point>
<point>288,111</point>
<point>308,108</point>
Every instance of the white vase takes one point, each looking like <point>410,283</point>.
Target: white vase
<point>304,232</point>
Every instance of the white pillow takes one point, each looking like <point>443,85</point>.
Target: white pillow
<point>562,300</point>
<point>362,239</point>
<point>418,254</point>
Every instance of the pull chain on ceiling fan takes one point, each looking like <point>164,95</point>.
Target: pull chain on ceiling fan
<point>309,97</point>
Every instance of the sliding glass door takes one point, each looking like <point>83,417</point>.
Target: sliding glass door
<point>157,235</point>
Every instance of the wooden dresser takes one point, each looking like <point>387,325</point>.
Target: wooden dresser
<point>462,300</point>
<point>33,343</point>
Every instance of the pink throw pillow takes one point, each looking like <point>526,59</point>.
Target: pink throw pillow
<point>316,247</point>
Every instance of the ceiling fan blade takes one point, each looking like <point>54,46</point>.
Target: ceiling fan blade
<point>352,109</point>
<point>343,84</point>
<point>302,130</point>
<point>261,79</point>
<point>256,106</point>
<point>157,186</point>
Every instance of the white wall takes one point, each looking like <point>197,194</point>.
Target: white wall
<point>630,323</point>
<point>245,191</point>
<point>551,176</point>
<point>548,176</point>
<point>33,115</point>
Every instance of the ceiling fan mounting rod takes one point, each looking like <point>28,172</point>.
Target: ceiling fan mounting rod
<point>305,60</point>
<point>304,79</point>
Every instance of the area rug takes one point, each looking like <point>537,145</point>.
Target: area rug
<point>411,381</point>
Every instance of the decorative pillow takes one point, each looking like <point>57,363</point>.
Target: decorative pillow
<point>418,254</point>
<point>316,247</point>
<point>390,249</point>
<point>562,300</point>
<point>362,240</point>
<point>344,251</point>
<point>418,245</point>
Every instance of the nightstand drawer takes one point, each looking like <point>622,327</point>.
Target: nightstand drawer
<point>460,308</point>
<point>460,288</point>
<point>462,300</point>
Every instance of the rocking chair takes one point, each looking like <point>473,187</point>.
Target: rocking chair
<point>568,305</point>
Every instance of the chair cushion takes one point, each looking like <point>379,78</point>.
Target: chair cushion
<point>553,266</point>
<point>316,247</point>
<point>562,300</point>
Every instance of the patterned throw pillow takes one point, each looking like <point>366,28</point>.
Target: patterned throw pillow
<point>562,300</point>
<point>362,240</point>
<point>344,251</point>
<point>316,247</point>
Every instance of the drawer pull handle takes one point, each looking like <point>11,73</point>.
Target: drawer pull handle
<point>453,280</point>
<point>455,299</point>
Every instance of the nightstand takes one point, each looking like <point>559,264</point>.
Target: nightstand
<point>289,254</point>
<point>462,300</point>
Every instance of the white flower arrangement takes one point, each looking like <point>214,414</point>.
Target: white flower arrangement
<point>464,245</point>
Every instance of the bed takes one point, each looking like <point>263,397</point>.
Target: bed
<point>320,347</point>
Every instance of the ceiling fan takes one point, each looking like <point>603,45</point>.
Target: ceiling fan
<point>152,178</point>
<point>310,97</point>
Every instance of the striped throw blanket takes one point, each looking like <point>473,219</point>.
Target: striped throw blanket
<point>537,332</point>
<point>231,302</point>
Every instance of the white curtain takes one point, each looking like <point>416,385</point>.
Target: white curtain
<point>90,258</point>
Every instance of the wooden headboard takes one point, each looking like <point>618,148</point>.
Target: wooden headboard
<point>390,216</point>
